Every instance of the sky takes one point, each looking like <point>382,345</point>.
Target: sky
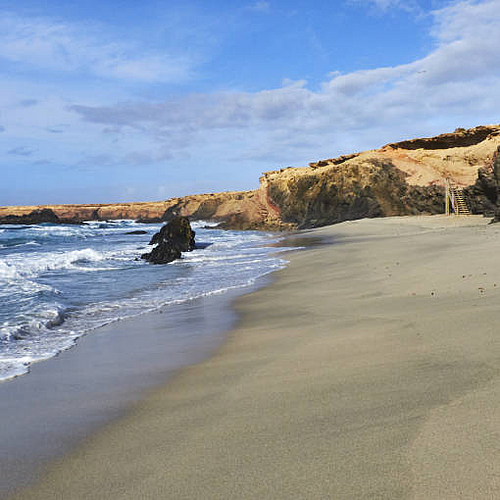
<point>104,102</point>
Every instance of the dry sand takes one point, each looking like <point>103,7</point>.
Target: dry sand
<point>370,369</point>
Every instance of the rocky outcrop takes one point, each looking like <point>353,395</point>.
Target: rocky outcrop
<point>367,188</point>
<point>45,215</point>
<point>178,233</point>
<point>399,179</point>
<point>496,176</point>
<point>460,138</point>
<point>102,212</point>
<point>484,195</point>
<point>172,239</point>
<point>332,161</point>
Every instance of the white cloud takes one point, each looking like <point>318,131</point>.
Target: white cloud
<point>469,19</point>
<point>63,47</point>
<point>456,84</point>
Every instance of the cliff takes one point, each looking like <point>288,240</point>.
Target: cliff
<point>204,206</point>
<point>401,178</point>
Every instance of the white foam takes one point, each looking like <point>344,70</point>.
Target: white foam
<point>197,224</point>
<point>7,270</point>
<point>211,258</point>
<point>13,369</point>
<point>50,261</point>
<point>234,260</point>
<point>59,231</point>
<point>42,319</point>
<point>27,244</point>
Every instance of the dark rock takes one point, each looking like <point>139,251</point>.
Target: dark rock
<point>162,253</point>
<point>178,232</point>
<point>423,199</point>
<point>34,217</point>
<point>458,139</point>
<point>172,239</point>
<point>137,231</point>
<point>482,196</point>
<point>172,212</point>
<point>495,182</point>
<point>150,220</point>
<point>332,161</point>
<point>37,217</point>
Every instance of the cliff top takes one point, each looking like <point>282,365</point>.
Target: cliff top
<point>426,161</point>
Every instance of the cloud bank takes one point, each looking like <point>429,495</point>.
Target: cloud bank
<point>73,48</point>
<point>457,84</point>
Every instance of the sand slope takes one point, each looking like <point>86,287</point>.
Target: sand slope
<point>369,369</point>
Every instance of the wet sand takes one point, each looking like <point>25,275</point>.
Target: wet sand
<point>64,399</point>
<point>369,369</point>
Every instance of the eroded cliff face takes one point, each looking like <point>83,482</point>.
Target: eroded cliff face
<point>370,187</point>
<point>205,206</point>
<point>402,178</point>
<point>94,211</point>
<point>240,210</point>
<point>484,195</point>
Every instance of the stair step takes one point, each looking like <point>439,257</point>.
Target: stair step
<point>457,200</point>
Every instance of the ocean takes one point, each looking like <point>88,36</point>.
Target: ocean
<point>59,282</point>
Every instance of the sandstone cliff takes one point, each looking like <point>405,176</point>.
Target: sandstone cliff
<point>398,179</point>
<point>205,206</point>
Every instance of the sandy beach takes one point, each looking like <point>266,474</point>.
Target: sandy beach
<point>369,369</point>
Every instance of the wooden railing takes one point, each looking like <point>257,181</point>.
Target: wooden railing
<point>454,199</point>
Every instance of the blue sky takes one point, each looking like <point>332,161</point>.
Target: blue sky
<point>136,101</point>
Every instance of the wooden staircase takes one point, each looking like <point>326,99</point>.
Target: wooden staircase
<point>455,200</point>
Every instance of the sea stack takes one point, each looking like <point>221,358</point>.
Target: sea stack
<point>172,239</point>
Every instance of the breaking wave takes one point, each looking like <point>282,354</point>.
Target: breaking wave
<point>60,282</point>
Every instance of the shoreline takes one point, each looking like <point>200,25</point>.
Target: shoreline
<point>366,369</point>
<point>66,398</point>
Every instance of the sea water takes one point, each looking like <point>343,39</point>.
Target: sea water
<point>59,282</point>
